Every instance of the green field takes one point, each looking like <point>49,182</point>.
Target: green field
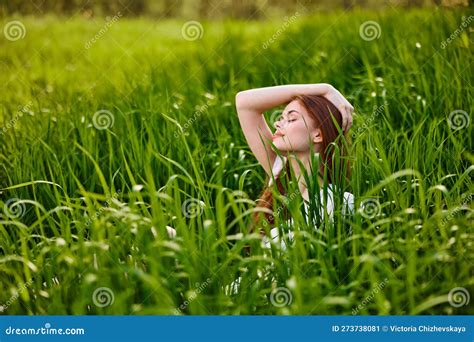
<point>84,209</point>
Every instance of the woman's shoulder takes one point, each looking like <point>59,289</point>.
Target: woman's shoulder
<point>278,165</point>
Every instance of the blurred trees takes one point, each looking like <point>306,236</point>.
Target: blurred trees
<point>205,9</point>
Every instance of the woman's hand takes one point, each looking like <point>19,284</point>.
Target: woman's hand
<point>343,105</point>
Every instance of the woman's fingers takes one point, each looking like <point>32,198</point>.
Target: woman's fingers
<point>344,113</point>
<point>346,118</point>
<point>350,111</point>
<point>344,107</point>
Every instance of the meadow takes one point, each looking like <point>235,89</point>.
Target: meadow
<point>113,130</point>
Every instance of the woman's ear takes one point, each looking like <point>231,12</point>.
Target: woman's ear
<point>317,136</point>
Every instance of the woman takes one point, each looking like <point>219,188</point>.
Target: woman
<point>314,120</point>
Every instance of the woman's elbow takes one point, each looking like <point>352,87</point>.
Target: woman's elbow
<point>240,101</point>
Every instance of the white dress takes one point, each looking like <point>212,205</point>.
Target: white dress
<point>327,202</point>
<point>234,287</point>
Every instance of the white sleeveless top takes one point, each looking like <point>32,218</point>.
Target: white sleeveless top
<point>327,202</point>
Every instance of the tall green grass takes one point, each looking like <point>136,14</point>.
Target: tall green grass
<point>92,205</point>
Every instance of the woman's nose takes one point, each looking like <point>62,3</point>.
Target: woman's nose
<point>279,124</point>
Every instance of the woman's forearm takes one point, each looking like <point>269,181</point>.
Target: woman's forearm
<point>262,99</point>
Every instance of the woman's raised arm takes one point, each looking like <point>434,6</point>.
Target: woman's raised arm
<point>251,104</point>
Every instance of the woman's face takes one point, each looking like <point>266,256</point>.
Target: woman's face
<point>295,129</point>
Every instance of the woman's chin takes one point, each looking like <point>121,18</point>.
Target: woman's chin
<point>283,149</point>
<point>279,145</point>
<point>282,146</point>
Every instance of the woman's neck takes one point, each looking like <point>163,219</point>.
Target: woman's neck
<point>297,170</point>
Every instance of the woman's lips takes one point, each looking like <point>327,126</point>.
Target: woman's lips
<point>277,135</point>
